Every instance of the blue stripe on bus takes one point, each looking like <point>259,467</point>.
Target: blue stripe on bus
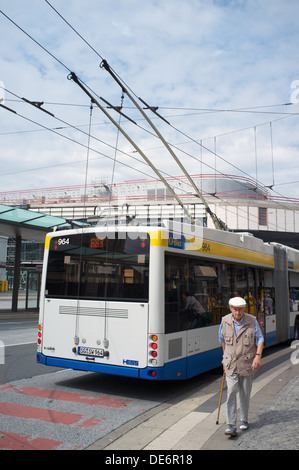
<point>187,367</point>
<point>180,369</point>
<point>204,361</point>
<point>270,339</point>
<point>87,366</point>
<point>292,331</point>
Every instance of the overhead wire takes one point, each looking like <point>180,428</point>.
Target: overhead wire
<point>72,140</point>
<point>223,159</point>
<point>140,161</point>
<point>186,142</point>
<point>182,206</point>
<point>272,156</point>
<point>96,151</point>
<point>178,145</point>
<point>36,42</point>
<point>67,68</point>
<point>83,39</point>
<point>85,89</point>
<point>80,266</point>
<point>236,110</point>
<point>112,158</point>
<point>68,125</point>
<point>217,222</point>
<point>83,145</point>
<point>198,110</point>
<point>59,61</point>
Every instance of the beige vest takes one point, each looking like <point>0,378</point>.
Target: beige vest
<point>239,350</point>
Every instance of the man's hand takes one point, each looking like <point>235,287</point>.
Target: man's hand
<point>256,363</point>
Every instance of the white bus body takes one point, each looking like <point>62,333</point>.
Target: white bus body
<point>111,297</point>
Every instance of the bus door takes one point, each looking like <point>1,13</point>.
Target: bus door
<point>267,319</point>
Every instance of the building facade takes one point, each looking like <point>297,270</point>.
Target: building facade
<point>238,202</point>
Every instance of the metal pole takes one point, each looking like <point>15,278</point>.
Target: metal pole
<point>217,421</point>
<point>16,278</point>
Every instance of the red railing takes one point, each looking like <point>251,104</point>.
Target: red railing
<point>80,193</point>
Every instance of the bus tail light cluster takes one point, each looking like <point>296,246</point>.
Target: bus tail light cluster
<point>39,338</point>
<point>153,350</point>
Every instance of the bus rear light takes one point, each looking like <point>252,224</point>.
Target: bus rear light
<point>153,373</point>
<point>153,346</point>
<point>39,338</point>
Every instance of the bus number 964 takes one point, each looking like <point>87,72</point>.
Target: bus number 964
<point>63,241</point>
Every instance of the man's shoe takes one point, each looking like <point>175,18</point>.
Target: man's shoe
<point>231,431</point>
<point>244,426</point>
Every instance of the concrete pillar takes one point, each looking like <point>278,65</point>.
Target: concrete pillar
<point>16,278</point>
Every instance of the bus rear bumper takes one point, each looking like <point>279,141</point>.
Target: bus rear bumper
<point>180,369</point>
<point>146,373</point>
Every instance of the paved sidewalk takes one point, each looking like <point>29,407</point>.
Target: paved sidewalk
<point>6,306</point>
<point>276,425</point>
<point>22,313</point>
<point>189,423</point>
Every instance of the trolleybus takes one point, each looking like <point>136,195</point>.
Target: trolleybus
<point>112,297</point>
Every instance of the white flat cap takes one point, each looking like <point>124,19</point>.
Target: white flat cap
<point>237,302</point>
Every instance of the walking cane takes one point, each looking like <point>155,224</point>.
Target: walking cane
<point>220,397</point>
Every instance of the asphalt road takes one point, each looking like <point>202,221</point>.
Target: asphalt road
<point>45,407</point>
<point>18,350</point>
<point>49,408</point>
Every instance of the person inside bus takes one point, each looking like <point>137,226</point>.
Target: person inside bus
<point>268,305</point>
<point>196,309</point>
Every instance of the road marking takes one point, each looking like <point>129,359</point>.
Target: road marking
<point>49,416</point>
<point>37,417</point>
<point>67,396</point>
<point>13,441</point>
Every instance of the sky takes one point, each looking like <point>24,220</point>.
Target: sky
<point>221,72</point>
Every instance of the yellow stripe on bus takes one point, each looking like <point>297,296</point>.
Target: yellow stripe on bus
<point>159,238</point>
<point>236,253</point>
<point>207,247</point>
<point>47,242</point>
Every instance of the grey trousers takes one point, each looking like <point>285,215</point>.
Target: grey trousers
<point>234,384</point>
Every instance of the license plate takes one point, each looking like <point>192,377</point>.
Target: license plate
<point>91,351</point>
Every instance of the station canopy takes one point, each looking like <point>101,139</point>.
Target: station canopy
<point>31,225</point>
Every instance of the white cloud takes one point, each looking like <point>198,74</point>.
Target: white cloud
<point>195,54</point>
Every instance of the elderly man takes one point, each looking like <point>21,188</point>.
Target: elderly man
<point>242,342</point>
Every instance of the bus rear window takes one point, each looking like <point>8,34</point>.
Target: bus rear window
<point>86,266</point>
